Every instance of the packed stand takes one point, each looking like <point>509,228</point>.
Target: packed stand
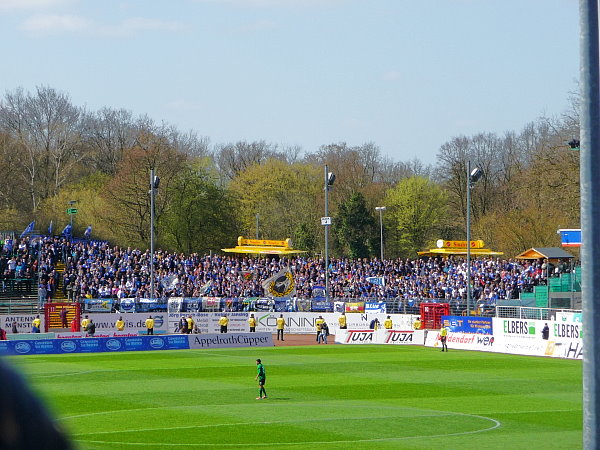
<point>97,270</point>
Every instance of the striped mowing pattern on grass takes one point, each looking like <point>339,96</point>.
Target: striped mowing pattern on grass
<point>335,396</point>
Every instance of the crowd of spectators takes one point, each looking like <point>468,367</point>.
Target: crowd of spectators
<point>96,269</point>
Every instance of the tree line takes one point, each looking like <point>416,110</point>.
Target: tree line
<point>53,152</point>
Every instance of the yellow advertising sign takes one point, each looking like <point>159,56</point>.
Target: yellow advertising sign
<point>441,243</point>
<point>263,242</point>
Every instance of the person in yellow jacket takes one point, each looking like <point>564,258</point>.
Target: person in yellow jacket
<point>387,323</point>
<point>120,324</point>
<point>342,321</point>
<point>84,323</point>
<point>417,324</point>
<point>190,324</point>
<point>224,321</point>
<point>318,324</point>
<point>252,323</point>
<point>150,325</point>
<point>280,326</point>
<point>443,337</point>
<point>36,324</point>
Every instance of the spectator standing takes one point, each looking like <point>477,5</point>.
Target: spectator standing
<point>74,325</point>
<point>120,324</point>
<point>252,323</point>
<point>342,321</point>
<point>444,337</point>
<point>150,325</point>
<point>223,322</point>
<point>280,326</point>
<point>36,324</point>
<point>183,325</point>
<point>545,332</point>
<point>189,324</point>
<point>63,318</point>
<point>387,324</point>
<point>318,323</point>
<point>84,323</point>
<point>324,332</point>
<point>90,328</point>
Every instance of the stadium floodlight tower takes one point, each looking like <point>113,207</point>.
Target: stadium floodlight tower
<point>472,177</point>
<point>326,222</point>
<point>381,209</point>
<point>154,183</point>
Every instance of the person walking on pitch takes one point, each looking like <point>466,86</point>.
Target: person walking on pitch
<point>261,377</point>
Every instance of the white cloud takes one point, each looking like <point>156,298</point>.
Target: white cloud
<point>55,23</point>
<point>10,5</point>
<point>141,24</point>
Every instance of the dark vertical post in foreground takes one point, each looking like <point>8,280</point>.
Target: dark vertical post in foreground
<point>590,218</point>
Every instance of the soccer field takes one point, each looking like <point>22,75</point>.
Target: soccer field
<point>333,396</point>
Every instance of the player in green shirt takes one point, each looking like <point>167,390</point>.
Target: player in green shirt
<point>261,377</point>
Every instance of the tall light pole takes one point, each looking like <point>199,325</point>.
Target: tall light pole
<point>590,217</point>
<point>472,177</point>
<point>381,209</point>
<point>326,222</point>
<point>154,182</point>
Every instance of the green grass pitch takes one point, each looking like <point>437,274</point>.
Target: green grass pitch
<point>337,396</point>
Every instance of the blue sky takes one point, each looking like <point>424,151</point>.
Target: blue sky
<point>407,75</point>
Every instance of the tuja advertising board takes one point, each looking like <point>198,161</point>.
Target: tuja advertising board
<point>389,337</point>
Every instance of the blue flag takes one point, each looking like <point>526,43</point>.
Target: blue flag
<point>67,230</point>
<point>88,232</point>
<point>50,227</point>
<point>29,229</point>
<point>380,281</point>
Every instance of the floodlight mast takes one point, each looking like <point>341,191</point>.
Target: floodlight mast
<point>472,177</point>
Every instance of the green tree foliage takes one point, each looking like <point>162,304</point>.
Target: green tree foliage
<point>127,193</point>
<point>284,195</point>
<point>355,229</point>
<point>200,216</point>
<point>416,212</point>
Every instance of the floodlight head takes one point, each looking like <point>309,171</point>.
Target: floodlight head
<point>475,175</point>
<point>330,179</point>
<point>574,144</point>
<point>156,182</point>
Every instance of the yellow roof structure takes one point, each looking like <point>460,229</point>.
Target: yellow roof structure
<point>263,247</point>
<point>459,248</point>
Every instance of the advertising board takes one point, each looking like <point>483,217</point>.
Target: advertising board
<point>134,322</point>
<point>390,337</point>
<point>217,340</point>
<point>21,321</point>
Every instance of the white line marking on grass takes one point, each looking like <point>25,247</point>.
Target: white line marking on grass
<point>63,374</point>
<point>495,425</point>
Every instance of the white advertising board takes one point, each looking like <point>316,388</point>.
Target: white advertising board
<point>295,322</point>
<point>208,322</point>
<point>22,321</point>
<point>520,337</point>
<point>134,322</point>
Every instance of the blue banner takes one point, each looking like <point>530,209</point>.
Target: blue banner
<point>93,345</point>
<point>474,325</point>
<point>321,305</point>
